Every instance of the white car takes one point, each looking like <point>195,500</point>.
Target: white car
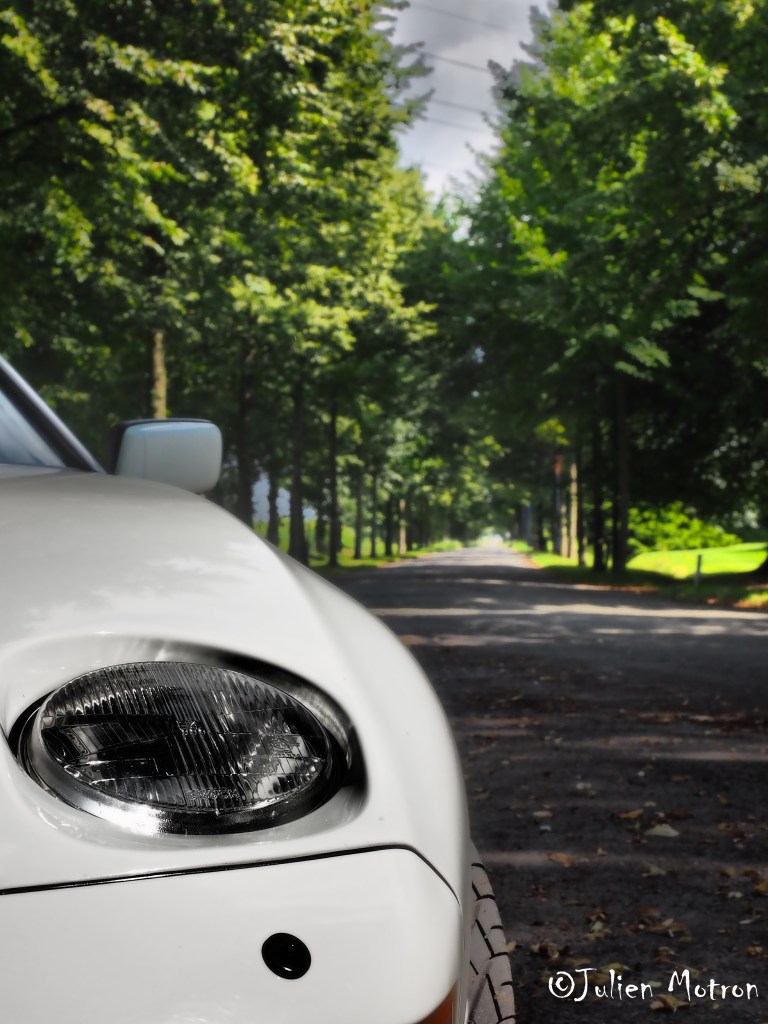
<point>228,795</point>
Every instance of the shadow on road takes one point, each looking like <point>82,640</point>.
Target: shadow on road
<point>615,757</point>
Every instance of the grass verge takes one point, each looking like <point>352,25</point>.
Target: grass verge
<point>714,561</point>
<point>347,562</point>
<point>725,575</point>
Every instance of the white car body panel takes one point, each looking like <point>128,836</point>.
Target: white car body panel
<point>187,949</point>
<point>99,571</point>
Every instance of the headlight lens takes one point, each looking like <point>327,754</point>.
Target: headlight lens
<point>175,747</point>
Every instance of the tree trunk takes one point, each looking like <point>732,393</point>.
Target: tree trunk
<point>158,391</point>
<point>527,525</point>
<point>273,524</point>
<point>621,501</point>
<point>580,522</point>
<point>359,480</point>
<point>335,526</point>
<point>246,472</point>
<point>321,530</point>
<point>374,511</point>
<point>297,544</point>
<point>557,506</point>
<point>541,540</point>
<point>402,525</point>
<point>389,524</point>
<point>573,510</point>
<point>425,526</point>
<point>598,519</point>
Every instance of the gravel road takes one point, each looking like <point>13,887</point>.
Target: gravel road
<point>615,752</point>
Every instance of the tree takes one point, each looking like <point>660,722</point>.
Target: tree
<point>602,219</point>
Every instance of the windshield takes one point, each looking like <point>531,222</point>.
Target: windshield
<point>31,434</point>
<point>20,442</point>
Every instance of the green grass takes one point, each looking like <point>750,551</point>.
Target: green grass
<point>547,560</point>
<point>347,561</point>
<point>714,561</point>
<point>672,573</point>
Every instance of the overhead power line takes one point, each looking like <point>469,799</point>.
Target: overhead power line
<point>462,17</point>
<point>458,63</point>
<point>459,106</point>
<point>454,124</point>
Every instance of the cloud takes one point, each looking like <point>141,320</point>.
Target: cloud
<point>488,30</point>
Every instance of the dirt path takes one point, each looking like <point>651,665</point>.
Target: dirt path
<point>615,753</point>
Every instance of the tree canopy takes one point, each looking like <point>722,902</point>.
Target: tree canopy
<point>610,243</point>
<point>204,213</point>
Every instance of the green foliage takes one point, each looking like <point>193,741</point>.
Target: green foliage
<point>211,193</point>
<point>674,528</point>
<point>619,257</point>
<point>208,197</point>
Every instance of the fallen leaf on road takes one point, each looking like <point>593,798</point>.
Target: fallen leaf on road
<point>582,789</point>
<point>561,858</point>
<point>662,830</point>
<point>733,828</point>
<point>547,949</point>
<point>652,870</point>
<point>664,954</point>
<point>633,814</point>
<point>597,935</point>
<point>670,927</point>
<point>648,913</point>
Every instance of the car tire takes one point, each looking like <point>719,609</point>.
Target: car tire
<point>491,996</point>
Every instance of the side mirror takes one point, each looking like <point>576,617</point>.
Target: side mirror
<point>185,453</point>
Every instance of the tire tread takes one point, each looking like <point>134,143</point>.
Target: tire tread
<point>491,994</point>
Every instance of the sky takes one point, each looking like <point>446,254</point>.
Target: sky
<point>468,34</point>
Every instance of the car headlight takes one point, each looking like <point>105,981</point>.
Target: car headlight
<point>171,747</point>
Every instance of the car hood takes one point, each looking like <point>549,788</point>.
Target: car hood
<point>106,561</point>
<point>100,570</point>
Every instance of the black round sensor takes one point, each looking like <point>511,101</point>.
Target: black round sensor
<point>286,956</point>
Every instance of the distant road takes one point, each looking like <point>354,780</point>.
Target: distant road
<point>491,597</point>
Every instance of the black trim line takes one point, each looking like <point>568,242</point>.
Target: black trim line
<point>218,868</point>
